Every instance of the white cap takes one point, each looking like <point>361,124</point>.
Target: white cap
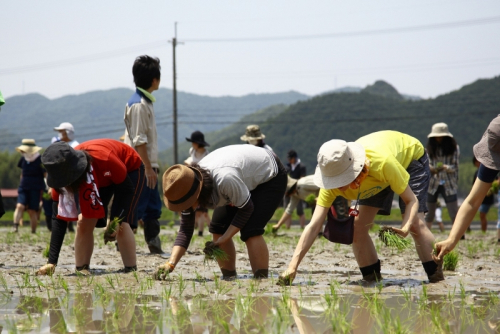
<point>65,126</point>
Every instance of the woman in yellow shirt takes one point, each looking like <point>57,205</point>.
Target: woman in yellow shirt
<point>374,167</point>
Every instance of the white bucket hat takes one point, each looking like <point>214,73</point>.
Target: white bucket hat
<point>339,163</point>
<point>440,130</point>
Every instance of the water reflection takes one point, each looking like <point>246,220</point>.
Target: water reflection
<point>367,312</point>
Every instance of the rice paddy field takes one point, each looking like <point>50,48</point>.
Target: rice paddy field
<point>326,297</point>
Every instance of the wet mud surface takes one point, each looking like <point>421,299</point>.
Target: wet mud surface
<point>326,297</point>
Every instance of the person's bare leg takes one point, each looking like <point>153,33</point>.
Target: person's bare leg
<point>33,220</point>
<point>288,222</point>
<point>484,221</point>
<point>228,247</point>
<point>84,241</point>
<point>423,237</point>
<point>302,220</point>
<point>362,246</point>
<point>431,214</point>
<point>18,215</point>
<point>258,254</point>
<point>126,244</point>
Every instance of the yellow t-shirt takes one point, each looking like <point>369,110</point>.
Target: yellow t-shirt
<point>390,153</point>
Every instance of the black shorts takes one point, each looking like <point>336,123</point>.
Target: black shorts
<point>266,198</point>
<point>419,183</point>
<point>126,195</point>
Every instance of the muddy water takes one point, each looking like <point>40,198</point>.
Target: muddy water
<point>326,297</point>
<point>366,312</point>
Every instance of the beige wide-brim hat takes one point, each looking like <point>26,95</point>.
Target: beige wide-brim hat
<point>339,163</point>
<point>28,146</point>
<point>440,130</point>
<point>291,185</point>
<point>252,133</point>
<point>181,187</point>
<point>487,151</point>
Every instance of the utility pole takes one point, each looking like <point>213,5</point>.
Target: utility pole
<point>174,97</point>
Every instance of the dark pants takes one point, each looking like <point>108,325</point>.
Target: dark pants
<point>149,210</point>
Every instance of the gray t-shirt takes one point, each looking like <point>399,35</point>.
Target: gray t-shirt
<point>237,170</point>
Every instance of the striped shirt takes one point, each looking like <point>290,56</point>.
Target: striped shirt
<point>446,178</point>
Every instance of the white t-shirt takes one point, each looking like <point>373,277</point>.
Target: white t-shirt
<point>236,170</point>
<point>195,157</point>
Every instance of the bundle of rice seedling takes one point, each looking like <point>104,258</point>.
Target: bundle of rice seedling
<point>310,199</point>
<point>46,196</point>
<point>112,229</point>
<point>269,230</point>
<point>213,252</point>
<point>392,239</point>
<point>494,187</point>
<point>439,165</point>
<point>450,261</point>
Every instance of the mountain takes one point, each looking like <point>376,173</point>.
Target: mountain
<point>378,88</point>
<point>306,125</point>
<point>382,88</point>
<point>99,114</point>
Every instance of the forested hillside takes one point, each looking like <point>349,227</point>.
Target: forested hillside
<point>305,125</point>
<point>99,114</point>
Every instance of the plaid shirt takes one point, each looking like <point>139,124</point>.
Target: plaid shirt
<point>446,178</point>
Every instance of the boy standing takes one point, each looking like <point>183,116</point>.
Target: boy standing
<point>140,133</point>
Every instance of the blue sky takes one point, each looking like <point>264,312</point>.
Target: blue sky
<point>57,48</point>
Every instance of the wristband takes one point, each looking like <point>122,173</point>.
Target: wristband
<point>170,265</point>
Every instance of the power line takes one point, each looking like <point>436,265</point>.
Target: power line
<point>83,59</point>
<point>486,20</point>
<point>162,43</point>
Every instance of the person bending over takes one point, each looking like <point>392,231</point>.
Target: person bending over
<point>94,171</point>
<point>245,185</point>
<point>372,169</point>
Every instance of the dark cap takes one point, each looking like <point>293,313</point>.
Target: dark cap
<point>64,164</point>
<point>292,154</point>
<point>198,138</point>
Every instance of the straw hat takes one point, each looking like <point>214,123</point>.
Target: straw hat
<point>339,163</point>
<point>64,164</point>
<point>440,130</point>
<point>181,187</point>
<point>28,146</point>
<point>252,133</point>
<point>487,151</point>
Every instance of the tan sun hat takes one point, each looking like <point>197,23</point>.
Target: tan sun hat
<point>28,146</point>
<point>291,185</point>
<point>440,130</point>
<point>181,187</point>
<point>487,151</point>
<point>339,163</point>
<point>252,132</point>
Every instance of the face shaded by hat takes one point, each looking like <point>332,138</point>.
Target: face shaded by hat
<point>440,130</point>
<point>28,146</point>
<point>64,164</point>
<point>198,137</point>
<point>181,187</point>
<point>487,151</point>
<point>252,133</point>
<point>339,163</point>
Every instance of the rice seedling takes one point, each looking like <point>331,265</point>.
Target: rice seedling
<point>182,285</point>
<point>392,239</point>
<point>214,252</point>
<point>45,252</point>
<point>269,230</point>
<point>111,230</point>
<point>450,261</point>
